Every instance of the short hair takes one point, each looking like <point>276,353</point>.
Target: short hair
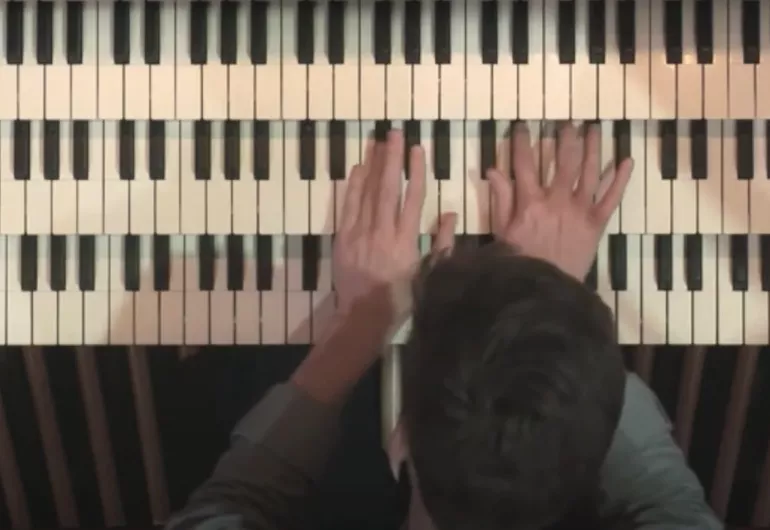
<point>513,386</point>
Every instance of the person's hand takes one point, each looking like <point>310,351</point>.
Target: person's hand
<point>375,249</point>
<point>561,223</point>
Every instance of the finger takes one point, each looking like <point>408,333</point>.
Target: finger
<point>390,183</point>
<point>445,234</point>
<point>354,192</point>
<point>502,200</point>
<point>547,155</point>
<point>609,200</point>
<point>527,181</point>
<point>371,187</point>
<point>569,155</point>
<point>414,197</point>
<point>589,174</point>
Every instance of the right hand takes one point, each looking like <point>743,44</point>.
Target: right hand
<point>562,222</point>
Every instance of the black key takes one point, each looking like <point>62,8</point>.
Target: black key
<point>232,150</point>
<point>44,34</point>
<point>668,150</point>
<point>131,263</point>
<point>664,262</point>
<point>51,139</point>
<point>441,159</point>
<point>335,38</point>
<point>488,146</point>
<point>627,31</point>
<point>382,31</point>
<point>764,260</point>
<point>412,31</point>
<point>520,32</point>
<point>87,263</point>
<point>161,261</point>
<point>206,262</point>
<point>489,39</point>
<point>199,32</point>
<point>261,149</point>
<point>258,33</point>
<point>307,150</point>
<point>21,150</point>
<point>618,260</point>
<point>126,150</point>
<point>673,22</point>
<point>264,263</point>
<point>157,150</point>
<point>28,263</point>
<point>750,31</point>
<point>622,132</point>
<point>381,130</point>
<point>592,278</point>
<point>704,31</point>
<point>14,32</point>
<point>228,32</point>
<point>75,33</point>
<point>698,149</point>
<point>744,142</point>
<point>739,262</point>
<point>235,263</point>
<point>597,31</point>
<point>442,28</point>
<point>121,32</point>
<point>311,256</point>
<point>80,156</point>
<point>411,139</point>
<point>202,150</point>
<point>57,265</point>
<point>693,262</point>
<point>152,32</point>
<point>305,31</point>
<point>566,39</point>
<point>337,169</point>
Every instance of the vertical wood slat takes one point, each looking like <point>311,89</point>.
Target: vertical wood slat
<point>148,433</point>
<point>98,434</point>
<point>644,358</point>
<point>761,515</point>
<point>10,478</point>
<point>689,392</point>
<point>732,434</point>
<point>58,473</point>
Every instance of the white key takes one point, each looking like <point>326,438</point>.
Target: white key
<point>298,303</point>
<point>320,73</point>
<point>222,314</point>
<point>759,187</point>
<point>715,74</point>
<point>637,75</point>
<point>603,284</point>
<point>659,210</point>
<point>321,202</point>
<point>611,99</point>
<point>214,73</point>
<point>557,75</point>
<point>323,298</point>
<point>136,74</point>
<point>196,302</point>
<point>294,98</point>
<point>85,89</point>
<point>531,87</point>
<point>90,201</point>
<point>684,189</point>
<point>654,306</point>
<point>346,76</point>
<point>70,300</point>
<point>398,73</point>
<point>268,76</point>
<point>298,190</point>
<point>240,76</point>
<point>38,189</point>
<point>116,192</point>
<point>96,303</point>
<point>730,316</point>
<point>452,98</point>
<point>755,330</point>
<point>142,188</point>
<point>705,301</point>
<point>274,316</point>
<point>476,188</point>
<point>247,300</point>
<point>478,94</point>
<point>271,191</point>
<point>505,75</point>
<point>31,74</point>
<point>762,70</point>
<point>662,74</point>
<point>452,191</point>
<point>608,156</point>
<point>172,301</point>
<point>633,206</point>
<point>680,322</point>
<point>689,73</point>
<point>57,75</point>
<point>426,74</point>
<point>12,191</point>
<point>110,75</point>
<point>245,193</point>
<point>163,75</point>
<point>710,189</point>
<point>193,192</point>
<point>167,190</point>
<point>121,301</point>
<point>219,190</point>
<point>189,92</point>
<point>584,86</point>
<point>9,78</point>
<point>735,193</point>
<point>64,199</point>
<point>352,157</point>
<point>431,206</point>
<point>45,314</point>
<point>147,316</point>
<point>628,310</point>
<point>19,319</point>
<point>741,75</point>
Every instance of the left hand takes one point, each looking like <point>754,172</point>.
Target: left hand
<point>375,249</point>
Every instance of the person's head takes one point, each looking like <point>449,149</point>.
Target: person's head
<point>513,385</point>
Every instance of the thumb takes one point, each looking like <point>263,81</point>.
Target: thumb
<point>445,234</point>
